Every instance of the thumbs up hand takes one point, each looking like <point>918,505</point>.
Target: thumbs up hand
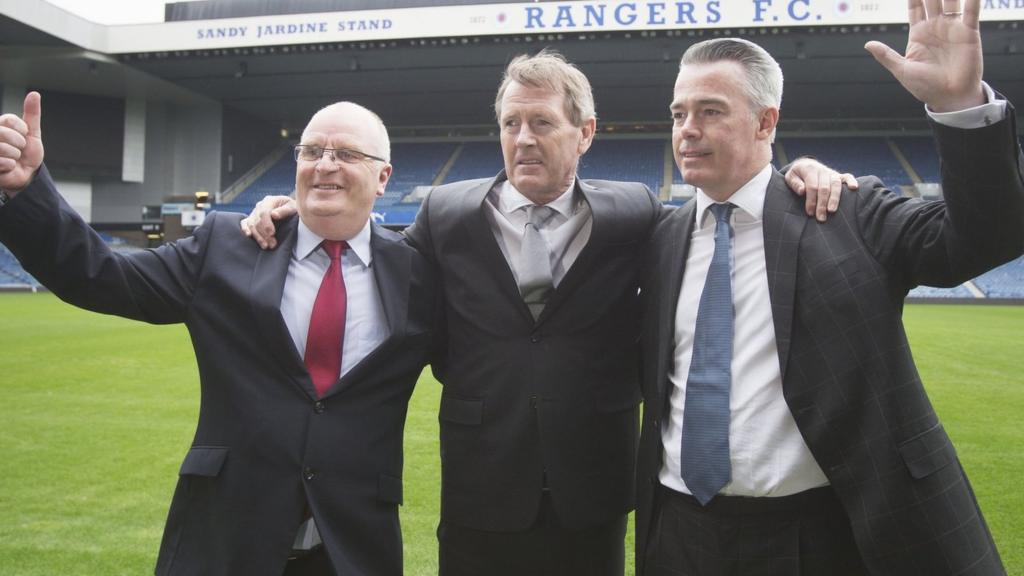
<point>21,146</point>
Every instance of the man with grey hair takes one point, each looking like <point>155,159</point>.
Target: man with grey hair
<point>538,353</point>
<point>307,356</point>
<point>786,430</point>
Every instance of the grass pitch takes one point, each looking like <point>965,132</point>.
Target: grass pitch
<point>96,414</point>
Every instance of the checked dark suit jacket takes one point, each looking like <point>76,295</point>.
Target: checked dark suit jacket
<point>264,445</point>
<point>837,291</point>
<point>527,402</point>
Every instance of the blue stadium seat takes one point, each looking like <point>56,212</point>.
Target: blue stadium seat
<point>861,156</point>
<point>628,160</point>
<point>1007,281</point>
<point>415,164</point>
<point>477,160</point>
<point>11,272</point>
<point>920,151</point>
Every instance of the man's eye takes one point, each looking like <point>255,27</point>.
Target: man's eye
<point>346,155</point>
<point>312,152</point>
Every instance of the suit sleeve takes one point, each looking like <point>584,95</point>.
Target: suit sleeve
<point>979,224</point>
<point>56,246</point>
<point>419,237</point>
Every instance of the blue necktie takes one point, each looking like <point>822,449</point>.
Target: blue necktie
<point>705,450</point>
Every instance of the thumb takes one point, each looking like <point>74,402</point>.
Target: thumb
<point>32,114</point>
<point>887,57</point>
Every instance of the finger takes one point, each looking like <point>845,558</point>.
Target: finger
<point>11,151</point>
<point>821,202</point>
<point>811,197</point>
<point>851,181</point>
<point>7,164</point>
<point>795,183</point>
<point>244,225</point>
<point>972,12</point>
<point>887,57</point>
<point>933,8</point>
<point>915,11</point>
<point>14,124</point>
<point>32,114</point>
<point>950,6</point>
<point>835,192</point>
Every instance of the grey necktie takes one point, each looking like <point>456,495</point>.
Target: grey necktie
<point>705,449</point>
<point>534,264</point>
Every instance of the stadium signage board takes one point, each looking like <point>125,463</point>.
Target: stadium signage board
<point>572,17</point>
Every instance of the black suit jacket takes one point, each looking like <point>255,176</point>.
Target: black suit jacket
<point>527,402</point>
<point>837,291</point>
<point>264,445</point>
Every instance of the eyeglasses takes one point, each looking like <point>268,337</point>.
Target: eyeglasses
<point>308,153</point>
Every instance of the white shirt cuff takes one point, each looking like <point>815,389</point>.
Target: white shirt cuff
<point>980,116</point>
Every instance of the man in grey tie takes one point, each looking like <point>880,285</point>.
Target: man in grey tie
<point>538,357</point>
<point>786,430</point>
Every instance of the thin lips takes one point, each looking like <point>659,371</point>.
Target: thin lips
<point>694,153</point>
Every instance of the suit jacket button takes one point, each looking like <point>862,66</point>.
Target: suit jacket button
<point>535,338</point>
<point>318,407</point>
<point>308,473</point>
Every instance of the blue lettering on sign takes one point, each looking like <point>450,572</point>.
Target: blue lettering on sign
<point>631,14</point>
<point>564,15</point>
<point>533,17</point>
<point>1003,4</point>
<point>290,29</point>
<point>715,15</point>
<point>760,8</point>
<point>358,25</point>
<point>225,32</point>
<point>654,15</point>
<point>629,18</point>
<point>685,13</point>
<point>805,14</point>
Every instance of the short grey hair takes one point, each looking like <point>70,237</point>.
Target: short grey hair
<point>762,74</point>
<point>550,70</point>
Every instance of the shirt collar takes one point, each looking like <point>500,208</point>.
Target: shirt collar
<point>309,242</point>
<point>749,198</point>
<point>510,200</point>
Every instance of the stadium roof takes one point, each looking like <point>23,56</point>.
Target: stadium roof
<point>425,82</point>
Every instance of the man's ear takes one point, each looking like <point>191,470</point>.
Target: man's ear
<point>383,177</point>
<point>588,129</point>
<point>767,120</point>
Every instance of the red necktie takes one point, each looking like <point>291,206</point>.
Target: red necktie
<point>327,323</point>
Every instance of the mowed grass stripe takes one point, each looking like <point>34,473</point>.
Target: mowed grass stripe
<point>96,414</point>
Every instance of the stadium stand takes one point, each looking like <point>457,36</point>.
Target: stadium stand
<point>628,160</point>
<point>857,155</point>
<point>1007,281</point>
<point>416,164</point>
<point>11,272</point>
<point>279,179</point>
<point>477,160</point>
<point>920,152</point>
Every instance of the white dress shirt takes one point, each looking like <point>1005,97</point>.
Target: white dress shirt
<point>768,455</point>
<point>365,324</point>
<point>566,233</point>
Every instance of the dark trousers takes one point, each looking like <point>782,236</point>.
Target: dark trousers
<point>545,549</point>
<point>806,534</point>
<point>315,563</point>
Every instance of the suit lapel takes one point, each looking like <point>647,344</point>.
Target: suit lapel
<point>484,242</point>
<point>784,222</point>
<point>600,208</point>
<point>670,265</point>
<point>391,271</point>
<point>268,277</point>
